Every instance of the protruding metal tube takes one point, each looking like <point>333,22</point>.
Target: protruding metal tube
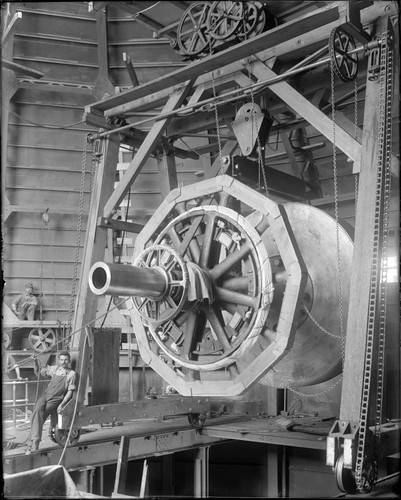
<point>127,281</point>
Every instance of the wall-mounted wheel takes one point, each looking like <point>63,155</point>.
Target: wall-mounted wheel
<point>60,436</point>
<point>42,339</point>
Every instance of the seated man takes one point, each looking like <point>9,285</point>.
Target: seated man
<point>53,400</point>
<point>25,304</point>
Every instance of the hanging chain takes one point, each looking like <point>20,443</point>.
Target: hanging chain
<point>78,236</point>
<point>53,270</point>
<point>319,325</point>
<point>261,163</point>
<point>216,115</point>
<point>378,291</point>
<point>356,175</point>
<point>336,215</point>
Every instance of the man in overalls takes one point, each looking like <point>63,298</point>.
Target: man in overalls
<point>53,400</point>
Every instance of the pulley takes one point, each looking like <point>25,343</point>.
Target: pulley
<point>345,63</point>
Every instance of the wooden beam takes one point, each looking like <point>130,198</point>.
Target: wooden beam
<point>145,150</point>
<point>95,244</point>
<point>10,28</point>
<point>168,173</point>
<point>103,86</point>
<point>270,38</point>
<point>358,307</point>
<point>19,68</point>
<point>122,466</point>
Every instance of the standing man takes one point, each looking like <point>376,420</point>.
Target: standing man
<point>53,400</point>
<point>25,304</point>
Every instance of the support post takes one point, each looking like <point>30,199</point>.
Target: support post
<point>168,173</point>
<point>201,472</point>
<point>95,244</point>
<point>122,465</point>
<point>355,346</point>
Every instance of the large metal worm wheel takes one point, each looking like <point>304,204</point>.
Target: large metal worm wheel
<point>217,343</point>
<point>345,64</point>
<point>42,339</point>
<point>224,284</point>
<point>192,32</point>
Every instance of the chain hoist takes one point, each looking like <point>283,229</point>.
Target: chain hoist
<point>365,466</point>
<point>78,236</point>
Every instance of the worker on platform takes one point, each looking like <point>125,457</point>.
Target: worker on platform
<point>25,304</point>
<point>55,397</point>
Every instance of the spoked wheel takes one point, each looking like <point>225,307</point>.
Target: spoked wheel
<point>60,436</point>
<point>345,64</point>
<point>225,19</point>
<point>173,267</point>
<point>42,339</point>
<point>254,20</point>
<point>230,288</point>
<point>197,420</point>
<point>192,32</point>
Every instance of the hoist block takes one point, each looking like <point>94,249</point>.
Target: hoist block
<point>228,288</point>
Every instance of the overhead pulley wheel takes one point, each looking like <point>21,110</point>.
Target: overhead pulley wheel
<point>224,19</point>
<point>42,339</point>
<point>345,63</point>
<point>254,20</point>
<point>192,32</point>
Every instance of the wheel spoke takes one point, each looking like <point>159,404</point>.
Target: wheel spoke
<point>230,261</point>
<point>189,335</point>
<point>217,325</point>
<point>207,242</point>
<point>236,298</point>
<point>240,283</point>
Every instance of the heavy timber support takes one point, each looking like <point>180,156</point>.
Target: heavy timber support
<point>354,436</point>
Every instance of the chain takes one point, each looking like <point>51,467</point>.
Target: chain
<point>356,175</point>
<point>216,115</point>
<point>336,216</point>
<point>319,325</point>
<point>53,270</point>
<point>261,162</point>
<point>78,236</point>
<point>378,272</point>
<point>310,396</point>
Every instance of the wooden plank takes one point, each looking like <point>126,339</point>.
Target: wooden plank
<point>144,151</point>
<point>122,466</point>
<point>270,38</point>
<point>19,68</point>
<point>105,352</point>
<point>168,173</point>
